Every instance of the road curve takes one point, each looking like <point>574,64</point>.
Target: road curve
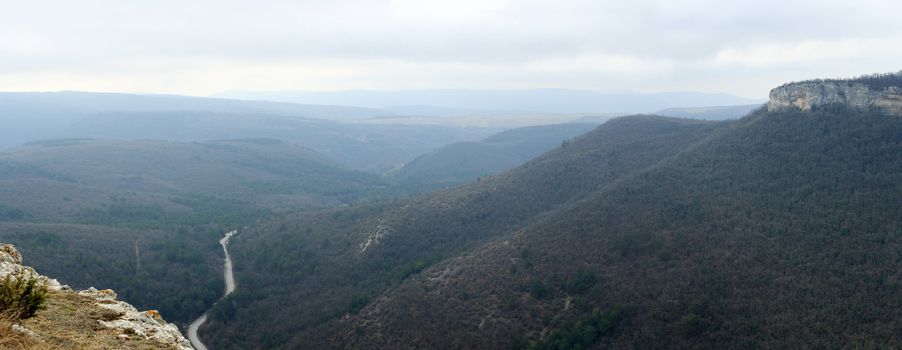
<point>229,288</point>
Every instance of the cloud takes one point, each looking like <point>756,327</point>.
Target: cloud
<point>204,46</point>
<point>808,51</point>
<point>600,63</point>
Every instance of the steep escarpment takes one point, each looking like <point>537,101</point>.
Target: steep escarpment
<point>87,319</point>
<point>881,93</point>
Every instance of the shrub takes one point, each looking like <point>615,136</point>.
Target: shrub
<point>358,302</point>
<point>21,297</point>
<point>539,290</point>
<point>690,325</point>
<point>581,281</point>
<point>585,332</point>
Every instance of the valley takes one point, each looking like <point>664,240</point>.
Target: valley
<point>228,277</point>
<point>647,232</point>
<point>428,226</point>
<point>473,174</point>
<point>134,200</point>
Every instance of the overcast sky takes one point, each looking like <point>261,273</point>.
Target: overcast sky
<point>201,47</point>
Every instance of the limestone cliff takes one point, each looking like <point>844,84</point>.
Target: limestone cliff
<point>88,319</point>
<point>880,93</point>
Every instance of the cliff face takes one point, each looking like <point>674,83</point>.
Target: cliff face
<point>88,319</point>
<point>855,95</point>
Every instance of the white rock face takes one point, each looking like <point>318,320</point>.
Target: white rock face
<point>374,236</point>
<point>145,324</point>
<point>807,95</point>
<point>11,264</point>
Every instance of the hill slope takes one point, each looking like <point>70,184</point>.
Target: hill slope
<point>143,217</point>
<point>371,148</point>
<point>331,130</point>
<point>459,162</point>
<point>64,177</point>
<point>29,116</point>
<point>310,270</point>
<point>779,229</point>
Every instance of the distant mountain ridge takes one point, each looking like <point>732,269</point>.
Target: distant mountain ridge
<point>330,130</point>
<point>535,100</point>
<point>371,148</point>
<point>28,116</point>
<point>85,102</point>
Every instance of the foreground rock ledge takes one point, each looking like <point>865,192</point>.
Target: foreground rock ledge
<point>89,319</point>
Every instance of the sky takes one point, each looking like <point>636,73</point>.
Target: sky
<point>201,47</point>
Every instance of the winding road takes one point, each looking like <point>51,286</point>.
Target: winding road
<point>230,287</point>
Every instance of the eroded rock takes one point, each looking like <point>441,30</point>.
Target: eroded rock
<point>126,318</point>
<point>852,94</point>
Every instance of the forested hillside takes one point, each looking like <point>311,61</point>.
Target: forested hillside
<point>94,181</point>
<point>143,217</point>
<point>374,148</point>
<point>779,229</point>
<point>310,270</point>
<point>462,175</point>
<point>172,269</point>
<point>460,162</point>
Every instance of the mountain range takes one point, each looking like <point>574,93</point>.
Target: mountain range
<point>470,102</point>
<point>777,229</point>
<point>30,117</point>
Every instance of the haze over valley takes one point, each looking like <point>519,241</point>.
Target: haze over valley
<point>450,175</point>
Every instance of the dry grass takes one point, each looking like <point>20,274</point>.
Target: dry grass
<point>70,321</point>
<point>13,340</point>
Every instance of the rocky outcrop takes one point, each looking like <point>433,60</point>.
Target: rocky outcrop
<point>856,95</point>
<point>11,264</point>
<point>118,324</point>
